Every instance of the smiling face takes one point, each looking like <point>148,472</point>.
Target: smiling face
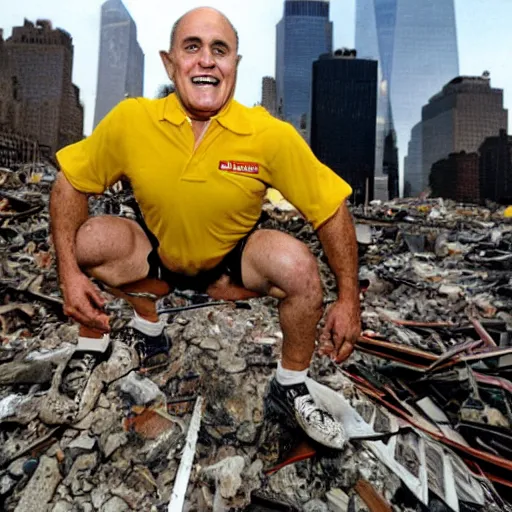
<point>202,62</point>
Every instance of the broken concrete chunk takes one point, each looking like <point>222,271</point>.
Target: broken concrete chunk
<point>112,443</point>
<point>141,390</point>
<point>62,506</point>
<point>83,442</point>
<point>41,487</point>
<point>6,484</point>
<point>315,505</point>
<point>115,504</point>
<point>337,500</point>
<point>32,372</point>
<point>227,475</point>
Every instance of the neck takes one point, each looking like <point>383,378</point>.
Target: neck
<point>199,129</point>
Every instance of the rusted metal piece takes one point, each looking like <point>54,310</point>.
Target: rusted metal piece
<point>480,329</point>
<point>374,501</point>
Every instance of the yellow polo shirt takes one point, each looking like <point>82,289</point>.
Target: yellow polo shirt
<point>200,203</point>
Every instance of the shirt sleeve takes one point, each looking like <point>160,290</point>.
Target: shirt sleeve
<point>314,189</point>
<point>97,162</point>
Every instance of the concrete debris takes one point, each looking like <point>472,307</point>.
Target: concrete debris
<point>140,390</point>
<point>425,401</point>
<point>41,487</point>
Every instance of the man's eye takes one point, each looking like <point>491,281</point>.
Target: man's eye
<point>191,47</point>
<point>219,51</point>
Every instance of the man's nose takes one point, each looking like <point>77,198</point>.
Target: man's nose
<point>206,59</point>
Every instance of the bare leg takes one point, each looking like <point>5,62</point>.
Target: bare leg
<point>115,251</point>
<point>274,263</point>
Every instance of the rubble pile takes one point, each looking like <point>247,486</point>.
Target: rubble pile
<point>425,400</point>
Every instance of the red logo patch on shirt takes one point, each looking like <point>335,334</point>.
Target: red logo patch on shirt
<point>242,167</point>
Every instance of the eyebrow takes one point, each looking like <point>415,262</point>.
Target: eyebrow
<point>195,39</point>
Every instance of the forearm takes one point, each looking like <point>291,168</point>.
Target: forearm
<point>68,211</point>
<point>339,243</point>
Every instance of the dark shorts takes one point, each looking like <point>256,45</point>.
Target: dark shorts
<point>231,265</point>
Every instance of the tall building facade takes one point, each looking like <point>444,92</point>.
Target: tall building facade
<point>44,104</point>
<point>121,60</point>
<point>303,34</point>
<point>496,168</point>
<point>459,118</point>
<point>457,177</point>
<point>268,94</point>
<point>415,42</point>
<point>344,103</point>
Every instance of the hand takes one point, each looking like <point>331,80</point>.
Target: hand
<point>83,302</point>
<point>341,331</point>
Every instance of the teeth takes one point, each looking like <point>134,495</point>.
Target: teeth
<point>205,80</point>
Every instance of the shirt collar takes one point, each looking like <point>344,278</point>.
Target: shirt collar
<point>233,117</point>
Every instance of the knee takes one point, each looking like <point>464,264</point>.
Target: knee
<point>98,241</point>
<point>302,275</point>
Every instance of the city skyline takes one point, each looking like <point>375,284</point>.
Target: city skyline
<point>154,19</point>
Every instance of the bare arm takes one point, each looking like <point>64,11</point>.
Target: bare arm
<point>68,211</point>
<point>343,324</point>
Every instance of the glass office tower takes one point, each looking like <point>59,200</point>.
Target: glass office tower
<point>303,34</point>
<point>121,62</point>
<point>415,42</point>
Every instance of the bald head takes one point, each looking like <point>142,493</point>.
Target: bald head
<point>206,10</point>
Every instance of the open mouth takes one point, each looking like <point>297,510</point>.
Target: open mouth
<point>205,81</point>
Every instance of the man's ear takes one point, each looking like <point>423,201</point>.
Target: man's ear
<point>238,59</point>
<point>168,64</point>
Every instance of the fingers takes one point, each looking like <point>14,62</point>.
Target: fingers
<point>325,346</point>
<point>89,316</point>
<point>95,296</point>
<point>344,352</point>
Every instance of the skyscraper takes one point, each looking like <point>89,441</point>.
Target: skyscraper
<point>303,34</point>
<point>344,104</point>
<point>496,168</point>
<point>415,42</point>
<point>121,61</point>
<point>45,104</point>
<point>268,94</point>
<point>459,118</point>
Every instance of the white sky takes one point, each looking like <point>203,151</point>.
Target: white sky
<point>484,32</point>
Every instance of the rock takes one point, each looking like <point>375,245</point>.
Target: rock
<point>451,291</point>
<point>6,484</point>
<point>246,433</point>
<point>15,469</point>
<point>100,495</point>
<point>62,506</point>
<point>19,408</point>
<point>103,402</point>
<point>141,390</point>
<point>231,363</point>
<point>227,475</point>
<point>112,443</point>
<point>315,505</point>
<point>83,466</point>
<point>32,372</point>
<point>115,504</point>
<point>41,487</point>
<point>337,500</point>
<point>83,442</point>
<point>210,344</point>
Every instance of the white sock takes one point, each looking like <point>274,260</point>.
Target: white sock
<point>290,377</point>
<point>93,344</point>
<point>145,326</point>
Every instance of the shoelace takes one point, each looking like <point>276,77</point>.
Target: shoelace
<point>315,415</point>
